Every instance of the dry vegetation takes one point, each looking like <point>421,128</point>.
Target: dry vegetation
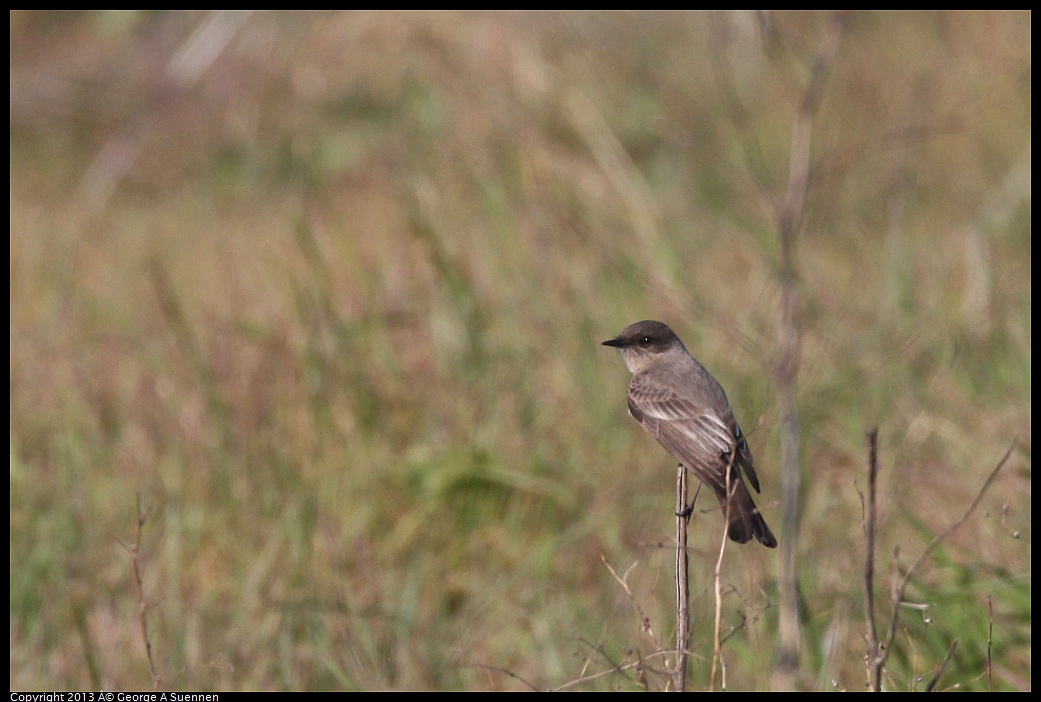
<point>325,292</point>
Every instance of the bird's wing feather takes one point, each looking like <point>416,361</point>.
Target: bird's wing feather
<point>694,434</point>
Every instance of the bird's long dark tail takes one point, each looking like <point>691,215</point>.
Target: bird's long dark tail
<point>745,519</point>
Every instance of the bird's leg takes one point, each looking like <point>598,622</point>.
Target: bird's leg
<point>689,510</point>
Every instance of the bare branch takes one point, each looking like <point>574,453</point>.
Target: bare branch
<point>717,652</point>
<point>931,685</point>
<point>645,621</point>
<point>683,512</point>
<point>135,551</point>
<point>878,656</point>
<point>870,529</point>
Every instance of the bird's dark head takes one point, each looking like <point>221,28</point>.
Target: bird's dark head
<point>647,334</point>
<point>642,342</point>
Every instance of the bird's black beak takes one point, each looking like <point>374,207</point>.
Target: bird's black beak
<point>616,342</point>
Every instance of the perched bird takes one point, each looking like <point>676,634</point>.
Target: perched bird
<point>684,408</point>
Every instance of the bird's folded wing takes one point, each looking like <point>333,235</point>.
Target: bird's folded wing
<point>696,437</point>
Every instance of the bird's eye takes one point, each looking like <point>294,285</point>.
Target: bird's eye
<point>645,340</point>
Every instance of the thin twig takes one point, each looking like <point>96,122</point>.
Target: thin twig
<point>870,529</point>
<point>509,673</point>
<point>931,685</point>
<point>135,550</point>
<point>645,621</point>
<point>615,667</point>
<point>683,512</point>
<point>881,654</point>
<point>717,644</point>
<point>990,641</point>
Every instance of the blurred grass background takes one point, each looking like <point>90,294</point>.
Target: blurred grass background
<point>326,291</point>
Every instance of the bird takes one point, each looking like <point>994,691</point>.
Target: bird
<point>678,402</point>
